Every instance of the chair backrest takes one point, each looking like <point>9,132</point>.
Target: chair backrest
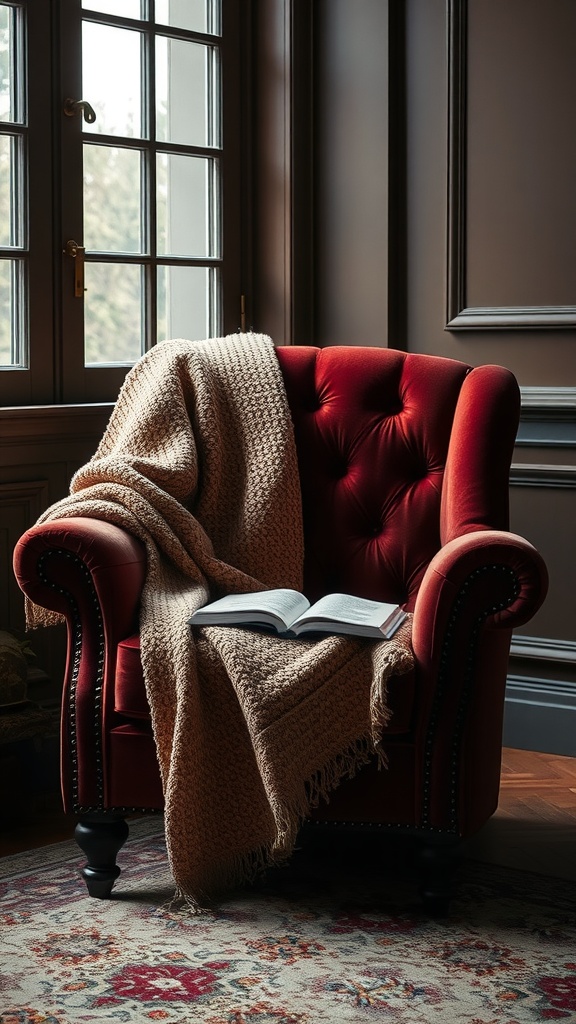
<point>398,453</point>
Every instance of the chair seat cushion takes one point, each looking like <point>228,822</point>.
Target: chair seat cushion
<point>130,692</point>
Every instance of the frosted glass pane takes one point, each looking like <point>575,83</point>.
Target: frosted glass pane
<point>187,303</point>
<point>12,226</point>
<point>112,79</point>
<point>13,327</point>
<point>194,15</point>
<point>113,328</point>
<point>187,206</point>
<point>122,8</point>
<point>6,190</point>
<point>6,313</point>
<point>11,65</point>
<point>112,218</point>
<point>187,93</point>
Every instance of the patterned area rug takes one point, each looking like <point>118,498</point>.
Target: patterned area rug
<point>328,939</point>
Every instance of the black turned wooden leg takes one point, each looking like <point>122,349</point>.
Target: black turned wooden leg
<point>101,838</point>
<point>437,862</point>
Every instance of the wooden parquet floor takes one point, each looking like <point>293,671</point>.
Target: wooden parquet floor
<point>534,828</point>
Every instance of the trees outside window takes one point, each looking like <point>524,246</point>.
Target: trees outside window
<point>119,187</point>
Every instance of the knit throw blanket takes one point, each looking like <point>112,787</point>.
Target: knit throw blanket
<point>199,461</point>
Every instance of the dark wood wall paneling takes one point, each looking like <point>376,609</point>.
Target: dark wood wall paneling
<point>511,260</point>
<point>412,179</point>
<point>281,272</point>
<point>40,449</point>
<point>465,125</point>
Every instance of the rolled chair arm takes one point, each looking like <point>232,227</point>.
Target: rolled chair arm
<point>113,559</point>
<point>92,573</point>
<point>499,576</point>
<point>477,588</point>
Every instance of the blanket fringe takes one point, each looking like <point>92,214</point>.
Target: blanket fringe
<point>343,766</point>
<point>245,869</point>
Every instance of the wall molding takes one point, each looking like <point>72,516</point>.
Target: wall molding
<point>538,648</point>
<point>548,417</point>
<point>29,496</point>
<point>548,692</point>
<point>540,714</point>
<point>21,502</point>
<point>38,424</point>
<point>459,316</point>
<point>551,400</point>
<point>542,475</point>
<point>483,318</point>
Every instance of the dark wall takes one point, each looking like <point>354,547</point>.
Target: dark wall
<point>351,173</point>
<point>446,223</point>
<point>413,165</point>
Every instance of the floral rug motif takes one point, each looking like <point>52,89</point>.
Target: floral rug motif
<point>327,940</point>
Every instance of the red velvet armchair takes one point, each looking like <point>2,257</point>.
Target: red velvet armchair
<point>404,463</point>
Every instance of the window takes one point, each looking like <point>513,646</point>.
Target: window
<point>120,210</point>
<point>13,213</point>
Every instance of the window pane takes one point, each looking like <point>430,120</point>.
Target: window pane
<point>185,70</point>
<point>13,328</point>
<point>187,303</point>
<point>111,79</point>
<point>112,184</point>
<point>11,77</point>
<point>11,192</point>
<point>122,8</point>
<point>6,313</point>
<point>113,313</point>
<point>6,191</point>
<point>195,15</point>
<point>187,206</point>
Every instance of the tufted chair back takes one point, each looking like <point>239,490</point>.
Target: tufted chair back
<point>404,461</point>
<point>398,454</point>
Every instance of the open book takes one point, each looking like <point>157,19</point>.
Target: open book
<point>290,614</point>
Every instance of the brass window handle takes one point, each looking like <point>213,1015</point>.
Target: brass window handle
<point>77,253</point>
<point>74,107</point>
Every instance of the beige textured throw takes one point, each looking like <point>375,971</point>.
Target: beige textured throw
<point>199,461</point>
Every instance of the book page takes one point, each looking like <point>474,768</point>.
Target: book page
<point>281,606</point>
<point>346,608</point>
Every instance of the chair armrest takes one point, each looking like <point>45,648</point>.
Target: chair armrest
<point>91,572</point>
<point>54,560</point>
<point>476,589</point>
<point>492,577</point>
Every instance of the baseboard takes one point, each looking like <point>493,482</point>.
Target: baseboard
<point>540,714</point>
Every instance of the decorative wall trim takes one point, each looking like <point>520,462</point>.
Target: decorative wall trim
<point>21,502</point>
<point>456,247</point>
<point>49,423</point>
<point>548,417</point>
<point>483,318</point>
<point>551,400</point>
<point>526,475</point>
<point>538,648</point>
<point>458,315</point>
<point>540,714</point>
<point>547,692</point>
<point>29,497</point>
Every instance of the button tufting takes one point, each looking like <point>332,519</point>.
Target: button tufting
<point>340,469</point>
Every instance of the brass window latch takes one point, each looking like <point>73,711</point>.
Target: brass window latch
<point>77,253</point>
<point>74,107</point>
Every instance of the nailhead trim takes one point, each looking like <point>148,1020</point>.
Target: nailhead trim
<point>445,658</point>
<point>459,603</point>
<point>445,663</point>
<point>76,648</point>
